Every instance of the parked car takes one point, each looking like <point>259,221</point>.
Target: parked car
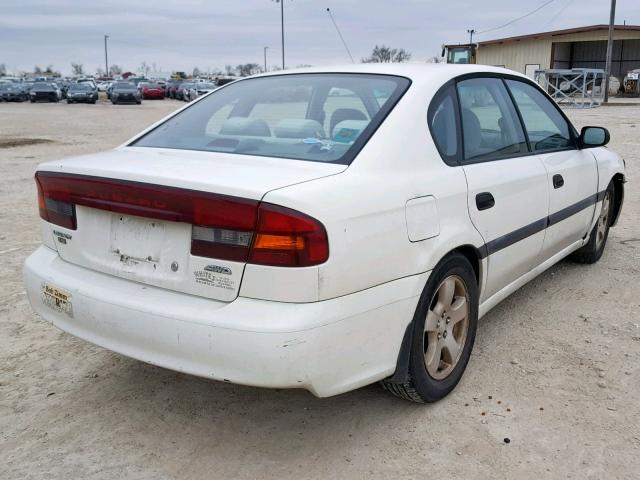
<point>199,89</point>
<point>151,90</point>
<point>103,85</point>
<point>89,81</point>
<point>125,92</point>
<point>279,234</point>
<point>170,88</point>
<point>13,92</point>
<point>41,91</point>
<point>181,90</point>
<point>224,80</point>
<point>81,93</point>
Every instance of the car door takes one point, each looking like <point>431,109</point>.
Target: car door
<point>507,186</point>
<point>572,173</point>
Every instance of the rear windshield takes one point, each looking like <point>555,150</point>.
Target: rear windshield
<point>315,117</point>
<point>42,87</point>
<point>79,86</point>
<point>125,86</point>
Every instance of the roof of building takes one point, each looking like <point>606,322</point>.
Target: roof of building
<point>555,33</point>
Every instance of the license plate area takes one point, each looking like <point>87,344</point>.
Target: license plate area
<point>57,299</point>
<point>137,240</point>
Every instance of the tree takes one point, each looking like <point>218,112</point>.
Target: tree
<point>384,54</point>
<point>144,68</point>
<point>246,69</point>
<point>3,69</point>
<point>37,70</point>
<point>49,69</point>
<point>100,72</point>
<point>228,70</point>
<point>77,68</point>
<point>435,59</point>
<point>115,70</point>
<point>196,72</point>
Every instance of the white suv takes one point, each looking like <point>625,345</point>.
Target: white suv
<point>323,229</point>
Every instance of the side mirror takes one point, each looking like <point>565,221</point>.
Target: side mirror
<point>594,137</point>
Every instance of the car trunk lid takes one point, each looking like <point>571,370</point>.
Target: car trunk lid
<point>131,213</point>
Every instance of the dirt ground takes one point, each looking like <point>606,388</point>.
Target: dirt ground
<point>555,369</point>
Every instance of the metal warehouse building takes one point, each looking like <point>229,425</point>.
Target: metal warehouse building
<point>583,47</point>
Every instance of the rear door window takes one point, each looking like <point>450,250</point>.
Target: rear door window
<point>545,125</point>
<point>490,124</point>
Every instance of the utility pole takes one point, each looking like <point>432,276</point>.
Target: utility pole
<point>282,27</point>
<point>607,70</point>
<point>471,32</point>
<point>265,59</point>
<point>106,58</point>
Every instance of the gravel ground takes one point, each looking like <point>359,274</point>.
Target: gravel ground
<point>555,371</point>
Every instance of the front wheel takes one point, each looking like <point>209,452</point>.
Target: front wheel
<point>594,248</point>
<point>444,330</point>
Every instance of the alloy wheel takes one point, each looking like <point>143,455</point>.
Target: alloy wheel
<point>446,327</point>
<point>603,220</point>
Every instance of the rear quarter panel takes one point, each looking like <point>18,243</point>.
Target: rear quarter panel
<point>363,208</point>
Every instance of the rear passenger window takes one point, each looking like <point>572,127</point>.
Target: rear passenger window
<point>490,125</point>
<point>546,127</point>
<point>443,124</point>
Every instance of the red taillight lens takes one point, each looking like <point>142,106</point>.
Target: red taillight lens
<point>144,200</point>
<point>288,238</point>
<point>224,227</point>
<point>55,210</point>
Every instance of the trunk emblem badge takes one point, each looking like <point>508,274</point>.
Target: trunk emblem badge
<point>218,269</point>
<point>174,266</point>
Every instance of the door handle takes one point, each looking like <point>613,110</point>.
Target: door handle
<point>485,201</point>
<point>558,181</point>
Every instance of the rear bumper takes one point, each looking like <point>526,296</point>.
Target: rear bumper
<point>326,347</point>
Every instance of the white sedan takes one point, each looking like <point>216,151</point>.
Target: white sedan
<point>323,229</point>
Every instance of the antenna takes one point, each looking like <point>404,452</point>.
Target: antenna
<point>340,34</point>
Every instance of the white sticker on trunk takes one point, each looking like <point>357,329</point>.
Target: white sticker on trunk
<point>215,276</point>
<point>57,299</point>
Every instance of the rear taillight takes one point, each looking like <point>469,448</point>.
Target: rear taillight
<point>224,227</point>
<point>288,238</point>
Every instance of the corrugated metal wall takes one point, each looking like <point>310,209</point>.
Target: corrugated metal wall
<point>516,55</point>
<point>625,56</point>
<point>587,50</point>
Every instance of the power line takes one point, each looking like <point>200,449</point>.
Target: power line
<point>554,18</point>
<point>518,19</point>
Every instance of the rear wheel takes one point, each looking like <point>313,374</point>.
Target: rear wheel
<point>593,250</point>
<point>444,330</point>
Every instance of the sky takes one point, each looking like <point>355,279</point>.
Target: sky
<point>178,35</point>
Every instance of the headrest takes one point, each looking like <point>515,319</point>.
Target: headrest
<point>299,128</point>
<point>251,127</point>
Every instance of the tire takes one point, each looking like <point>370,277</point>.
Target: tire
<point>430,381</point>
<point>594,248</point>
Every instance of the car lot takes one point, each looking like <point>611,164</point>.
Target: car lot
<point>556,367</point>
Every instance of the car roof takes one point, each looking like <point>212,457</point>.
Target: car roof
<point>413,70</point>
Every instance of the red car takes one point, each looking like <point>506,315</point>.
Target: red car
<point>152,90</point>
